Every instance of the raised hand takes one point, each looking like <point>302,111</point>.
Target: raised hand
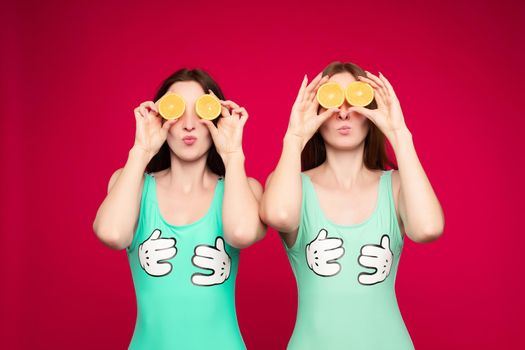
<point>154,252</point>
<point>227,135</point>
<point>388,116</point>
<point>378,257</point>
<point>304,120</point>
<point>322,254</point>
<point>215,259</point>
<point>151,128</point>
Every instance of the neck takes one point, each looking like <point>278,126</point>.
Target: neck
<point>345,166</point>
<point>189,175</point>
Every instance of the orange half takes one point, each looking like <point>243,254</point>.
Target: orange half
<point>359,93</point>
<point>208,107</point>
<point>330,95</point>
<point>171,106</point>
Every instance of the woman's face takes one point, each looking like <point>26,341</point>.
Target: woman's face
<point>188,138</point>
<point>344,130</point>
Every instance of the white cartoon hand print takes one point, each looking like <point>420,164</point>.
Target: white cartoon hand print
<point>322,253</point>
<point>378,257</point>
<point>211,258</point>
<point>154,251</point>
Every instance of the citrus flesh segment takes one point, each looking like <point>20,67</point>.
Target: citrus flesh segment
<point>208,107</point>
<point>171,106</point>
<point>330,95</point>
<point>359,94</point>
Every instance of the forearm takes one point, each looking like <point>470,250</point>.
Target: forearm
<point>424,215</point>
<point>241,222</point>
<point>281,202</point>
<point>117,216</point>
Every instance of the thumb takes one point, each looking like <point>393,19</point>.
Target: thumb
<point>168,123</point>
<point>211,127</point>
<point>322,235</point>
<point>155,234</point>
<point>326,114</point>
<point>385,242</point>
<point>219,244</point>
<point>361,110</point>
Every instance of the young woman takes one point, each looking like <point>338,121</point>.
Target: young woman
<point>343,219</point>
<point>182,206</point>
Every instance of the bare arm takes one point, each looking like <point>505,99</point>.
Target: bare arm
<point>419,206</point>
<point>242,225</point>
<point>281,203</point>
<point>117,216</point>
<point>240,213</point>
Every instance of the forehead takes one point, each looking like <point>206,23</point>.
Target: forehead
<point>343,78</point>
<point>187,89</point>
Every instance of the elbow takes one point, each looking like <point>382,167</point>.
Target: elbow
<point>111,238</point>
<point>427,234</point>
<point>279,219</point>
<point>240,238</point>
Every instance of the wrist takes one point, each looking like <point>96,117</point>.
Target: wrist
<point>140,154</point>
<point>399,136</point>
<point>231,157</point>
<point>293,140</point>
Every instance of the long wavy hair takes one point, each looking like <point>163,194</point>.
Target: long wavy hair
<point>162,159</point>
<point>375,155</point>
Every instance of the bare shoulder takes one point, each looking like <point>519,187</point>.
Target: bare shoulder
<point>115,177</point>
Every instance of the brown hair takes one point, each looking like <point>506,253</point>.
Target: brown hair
<point>375,154</point>
<point>162,160</point>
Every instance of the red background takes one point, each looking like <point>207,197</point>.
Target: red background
<point>72,72</point>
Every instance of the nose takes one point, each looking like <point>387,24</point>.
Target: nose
<point>189,120</point>
<point>344,114</point>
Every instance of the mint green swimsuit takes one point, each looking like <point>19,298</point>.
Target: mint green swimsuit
<point>345,277</point>
<point>181,305</point>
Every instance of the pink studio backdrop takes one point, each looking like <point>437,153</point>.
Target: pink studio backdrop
<point>72,72</point>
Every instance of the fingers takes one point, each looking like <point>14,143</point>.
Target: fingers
<point>155,235</point>
<point>219,244</point>
<point>322,235</point>
<point>381,95</point>
<point>311,89</point>
<point>300,94</point>
<point>368,278</point>
<point>163,243</point>
<point>330,244</point>
<point>333,254</point>
<point>369,261</point>
<point>331,269</point>
<point>361,110</point>
<point>165,254</point>
<point>203,263</point>
<point>207,252</point>
<point>385,242</point>
<point>325,115</point>
<point>211,127</point>
<point>372,251</point>
<point>203,280</point>
<point>168,123</point>
<point>390,89</point>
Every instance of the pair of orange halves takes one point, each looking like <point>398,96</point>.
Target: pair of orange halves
<point>329,95</point>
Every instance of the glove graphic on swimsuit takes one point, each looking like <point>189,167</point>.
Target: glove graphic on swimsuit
<point>322,253</point>
<point>211,258</point>
<point>154,251</point>
<point>378,257</point>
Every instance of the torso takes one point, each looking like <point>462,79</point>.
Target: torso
<point>179,208</point>
<point>349,207</point>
